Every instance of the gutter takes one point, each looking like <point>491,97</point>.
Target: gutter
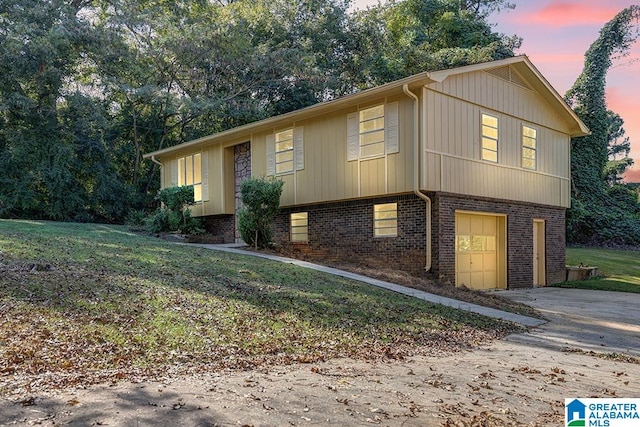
<point>153,159</point>
<point>416,171</point>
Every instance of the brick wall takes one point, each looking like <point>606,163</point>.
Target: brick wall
<point>520,218</point>
<point>221,226</point>
<point>343,231</point>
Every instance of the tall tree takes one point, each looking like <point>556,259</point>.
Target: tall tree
<point>40,43</point>
<point>602,209</point>
<point>399,39</point>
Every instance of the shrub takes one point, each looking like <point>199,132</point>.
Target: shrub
<point>261,204</point>
<point>174,214</point>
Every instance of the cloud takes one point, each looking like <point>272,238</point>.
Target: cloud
<point>568,14</point>
<point>632,175</point>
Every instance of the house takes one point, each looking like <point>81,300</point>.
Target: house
<point>576,411</point>
<point>463,174</point>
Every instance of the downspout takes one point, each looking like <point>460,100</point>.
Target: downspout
<point>153,159</point>
<point>416,170</point>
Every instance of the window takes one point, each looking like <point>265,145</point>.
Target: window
<point>529,147</point>
<point>190,173</point>
<point>371,131</point>
<point>299,227</point>
<point>284,151</point>
<point>489,138</point>
<point>385,220</point>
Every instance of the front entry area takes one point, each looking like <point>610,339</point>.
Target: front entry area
<point>480,249</point>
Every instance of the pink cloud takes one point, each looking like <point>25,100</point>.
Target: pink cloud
<point>566,14</point>
<point>632,175</point>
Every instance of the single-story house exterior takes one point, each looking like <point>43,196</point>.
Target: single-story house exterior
<point>461,174</point>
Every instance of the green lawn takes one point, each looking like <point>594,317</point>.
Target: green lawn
<point>83,303</point>
<point>621,269</point>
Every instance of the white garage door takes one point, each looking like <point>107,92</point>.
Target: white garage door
<point>476,251</point>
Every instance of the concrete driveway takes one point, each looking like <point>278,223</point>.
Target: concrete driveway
<point>601,321</point>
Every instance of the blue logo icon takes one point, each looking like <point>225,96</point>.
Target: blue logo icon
<point>576,414</point>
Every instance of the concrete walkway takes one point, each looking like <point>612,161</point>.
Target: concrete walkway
<point>436,299</point>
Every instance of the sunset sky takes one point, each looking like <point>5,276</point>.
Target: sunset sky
<point>556,34</point>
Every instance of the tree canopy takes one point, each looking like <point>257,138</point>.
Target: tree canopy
<point>89,86</point>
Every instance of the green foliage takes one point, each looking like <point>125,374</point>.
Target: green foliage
<point>603,211</point>
<point>89,86</point>
<point>399,39</point>
<point>174,214</point>
<point>261,204</point>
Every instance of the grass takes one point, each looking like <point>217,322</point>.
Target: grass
<point>620,269</point>
<point>86,303</point>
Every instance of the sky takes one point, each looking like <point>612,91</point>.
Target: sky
<point>556,34</point>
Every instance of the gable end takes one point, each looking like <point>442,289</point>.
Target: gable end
<point>509,74</point>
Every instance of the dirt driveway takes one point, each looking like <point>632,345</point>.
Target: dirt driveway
<point>522,380</point>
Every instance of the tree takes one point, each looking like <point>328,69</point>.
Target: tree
<point>399,39</point>
<point>602,209</point>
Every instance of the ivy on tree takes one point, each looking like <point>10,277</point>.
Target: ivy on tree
<point>603,210</point>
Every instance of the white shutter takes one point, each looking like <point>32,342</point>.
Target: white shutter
<point>204,170</point>
<point>391,137</point>
<point>298,147</point>
<point>353,137</point>
<point>174,173</point>
<point>271,155</point>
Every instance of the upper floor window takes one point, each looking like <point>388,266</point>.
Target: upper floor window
<point>371,127</point>
<point>529,147</point>
<point>372,132</point>
<point>300,227</point>
<point>385,220</point>
<point>190,173</point>
<point>284,151</point>
<point>489,138</point>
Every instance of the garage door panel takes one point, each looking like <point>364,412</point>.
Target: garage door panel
<point>476,251</point>
<point>463,225</point>
<point>464,279</point>
<point>464,260</point>
<point>477,225</point>
<point>489,226</point>
<point>477,262</point>
<point>489,261</point>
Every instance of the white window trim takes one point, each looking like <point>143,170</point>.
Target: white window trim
<point>377,221</point>
<point>482,137</point>
<point>204,174</point>
<point>298,151</point>
<point>524,148</point>
<point>294,227</point>
<point>390,144</point>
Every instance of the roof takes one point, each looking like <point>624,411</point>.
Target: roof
<point>522,64</point>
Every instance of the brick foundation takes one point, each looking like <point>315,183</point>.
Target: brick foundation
<point>221,226</point>
<point>343,232</point>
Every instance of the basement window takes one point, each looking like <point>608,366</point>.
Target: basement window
<point>385,220</point>
<point>300,227</point>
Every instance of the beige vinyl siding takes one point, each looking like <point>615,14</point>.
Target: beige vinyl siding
<point>484,89</point>
<point>327,175</point>
<point>453,148</point>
